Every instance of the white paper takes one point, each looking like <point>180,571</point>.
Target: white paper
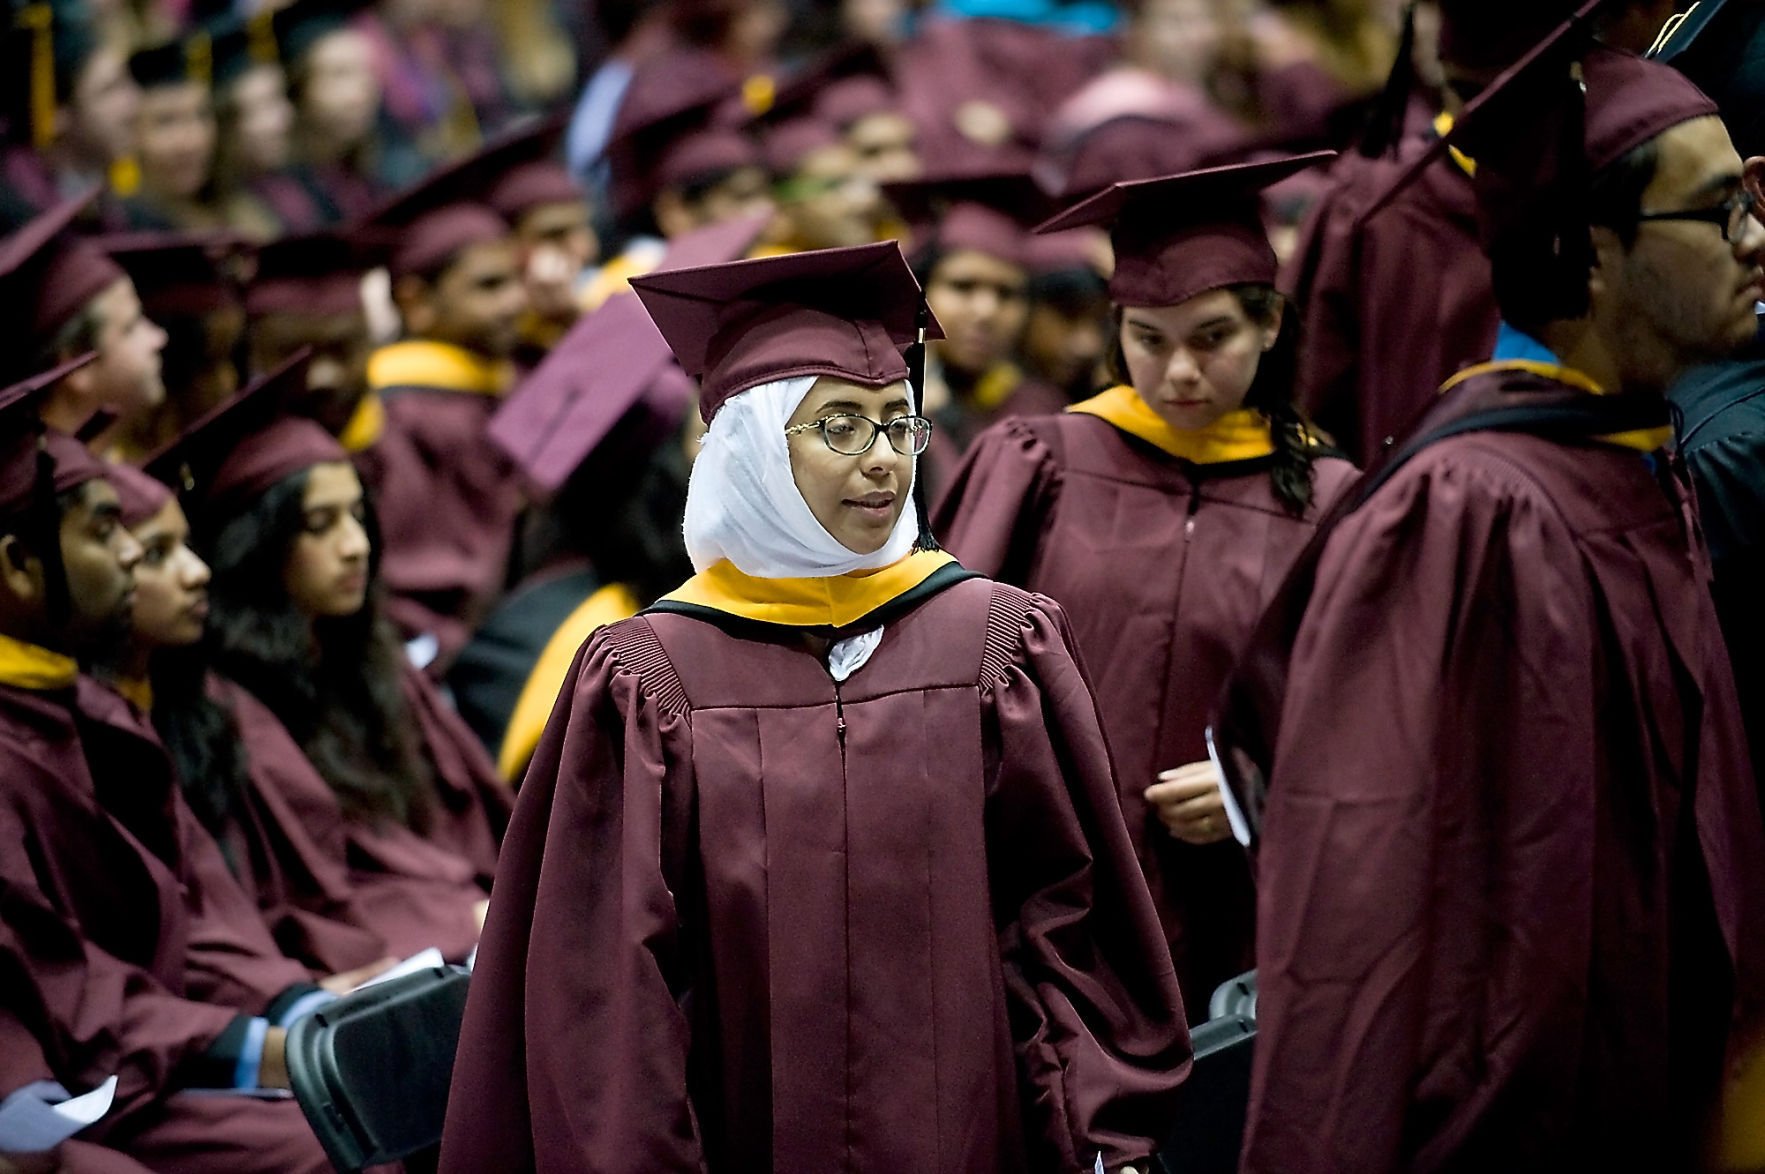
<point>42,1115</point>
<point>1234,816</point>
<point>422,960</point>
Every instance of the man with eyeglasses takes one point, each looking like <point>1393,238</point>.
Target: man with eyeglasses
<point>1722,434</point>
<point>1511,863</point>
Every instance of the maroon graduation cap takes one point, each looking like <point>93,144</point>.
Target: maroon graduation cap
<point>666,132</point>
<point>185,274</point>
<point>604,366</point>
<point>49,274</point>
<point>317,272</point>
<point>527,173</point>
<point>140,495</point>
<point>988,209</point>
<point>37,462</point>
<point>1182,235</point>
<point>238,450</point>
<point>844,313</point>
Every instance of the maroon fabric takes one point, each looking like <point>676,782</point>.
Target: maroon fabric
<point>1164,258</point>
<point>315,272</point>
<point>1135,146</point>
<point>1493,34</point>
<point>287,846</point>
<point>1164,568</point>
<point>532,185</point>
<point>959,423</point>
<point>110,917</point>
<point>447,503</point>
<point>70,275</point>
<point>280,449</point>
<point>141,496</point>
<point>849,101</point>
<point>839,312</point>
<point>1391,305</point>
<point>922,947</point>
<point>975,228</point>
<point>433,241</point>
<point>788,146</point>
<point>662,132</point>
<point>1510,895</point>
<point>183,274</point>
<point>408,891</point>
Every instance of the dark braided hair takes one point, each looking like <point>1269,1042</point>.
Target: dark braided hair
<point>1271,394</point>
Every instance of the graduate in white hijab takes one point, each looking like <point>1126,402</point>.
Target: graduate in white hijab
<point>818,864</point>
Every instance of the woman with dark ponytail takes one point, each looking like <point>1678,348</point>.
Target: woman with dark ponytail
<point>409,804</point>
<point>1163,513</point>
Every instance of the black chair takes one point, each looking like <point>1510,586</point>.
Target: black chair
<point>1209,1127</point>
<point>371,1071</point>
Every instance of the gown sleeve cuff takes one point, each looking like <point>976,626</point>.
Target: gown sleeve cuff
<point>297,1001</point>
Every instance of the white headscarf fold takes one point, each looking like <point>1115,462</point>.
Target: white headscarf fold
<point>742,504</point>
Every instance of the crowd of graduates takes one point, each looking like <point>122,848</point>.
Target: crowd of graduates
<point>1310,522</point>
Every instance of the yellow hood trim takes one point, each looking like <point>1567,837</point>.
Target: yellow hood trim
<point>1642,440</point>
<point>28,666</point>
<point>832,602</point>
<point>442,365</point>
<point>1242,435</point>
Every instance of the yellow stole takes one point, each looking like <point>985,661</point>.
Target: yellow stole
<point>137,691</point>
<point>420,363</point>
<point>995,387</point>
<point>366,424</point>
<point>608,605</point>
<point>28,666</point>
<point>1242,435</point>
<point>1643,440</point>
<point>832,602</point>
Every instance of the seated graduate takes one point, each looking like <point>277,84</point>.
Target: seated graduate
<point>1164,513</point>
<point>141,959</point>
<point>240,772</point>
<point>818,863</point>
<point>297,623</point>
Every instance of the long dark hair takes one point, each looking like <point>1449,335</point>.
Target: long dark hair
<point>1271,394</point>
<point>334,682</point>
<point>202,740</point>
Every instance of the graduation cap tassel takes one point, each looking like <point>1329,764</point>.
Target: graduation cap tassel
<point>1384,130</point>
<point>39,21</point>
<point>916,373</point>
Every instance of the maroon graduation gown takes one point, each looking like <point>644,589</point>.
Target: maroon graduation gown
<point>287,851</point>
<point>410,890</point>
<point>1393,304</point>
<point>447,503</point>
<point>1510,874</point>
<point>118,947</point>
<point>750,920</point>
<point>1163,567</point>
<point>959,425</point>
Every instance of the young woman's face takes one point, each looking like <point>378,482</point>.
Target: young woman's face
<point>263,119</point>
<point>327,571</point>
<point>857,499</point>
<point>1193,363</point>
<point>175,136</point>
<point>171,582</point>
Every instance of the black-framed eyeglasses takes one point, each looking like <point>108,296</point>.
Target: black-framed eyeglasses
<point>853,436</point>
<point>1730,215</point>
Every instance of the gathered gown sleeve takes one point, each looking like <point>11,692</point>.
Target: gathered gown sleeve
<point>1096,1013</point>
<point>1433,776</point>
<point>992,514</point>
<point>573,1055</point>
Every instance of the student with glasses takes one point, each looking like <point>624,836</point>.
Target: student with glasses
<point>818,864</point>
<point>1162,514</point>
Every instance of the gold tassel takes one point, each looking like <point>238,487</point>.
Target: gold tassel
<point>199,59</point>
<point>260,34</point>
<point>39,19</point>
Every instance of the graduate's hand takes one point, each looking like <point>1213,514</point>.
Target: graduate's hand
<point>272,1070</point>
<point>1189,803</point>
<point>348,980</point>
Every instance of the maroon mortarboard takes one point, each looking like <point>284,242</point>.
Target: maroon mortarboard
<point>803,95</point>
<point>600,370</point>
<point>182,275</point>
<point>140,495</point>
<point>849,101</point>
<point>238,450</point>
<point>317,272</point>
<point>789,145</point>
<point>1133,146</point>
<point>448,210</point>
<point>1059,252</point>
<point>986,211</point>
<point>664,133</point>
<point>49,274</point>
<point>1181,235</point>
<point>37,462</point>
<point>844,313</point>
<point>525,172</point>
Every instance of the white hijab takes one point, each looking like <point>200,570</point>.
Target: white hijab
<point>742,504</point>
